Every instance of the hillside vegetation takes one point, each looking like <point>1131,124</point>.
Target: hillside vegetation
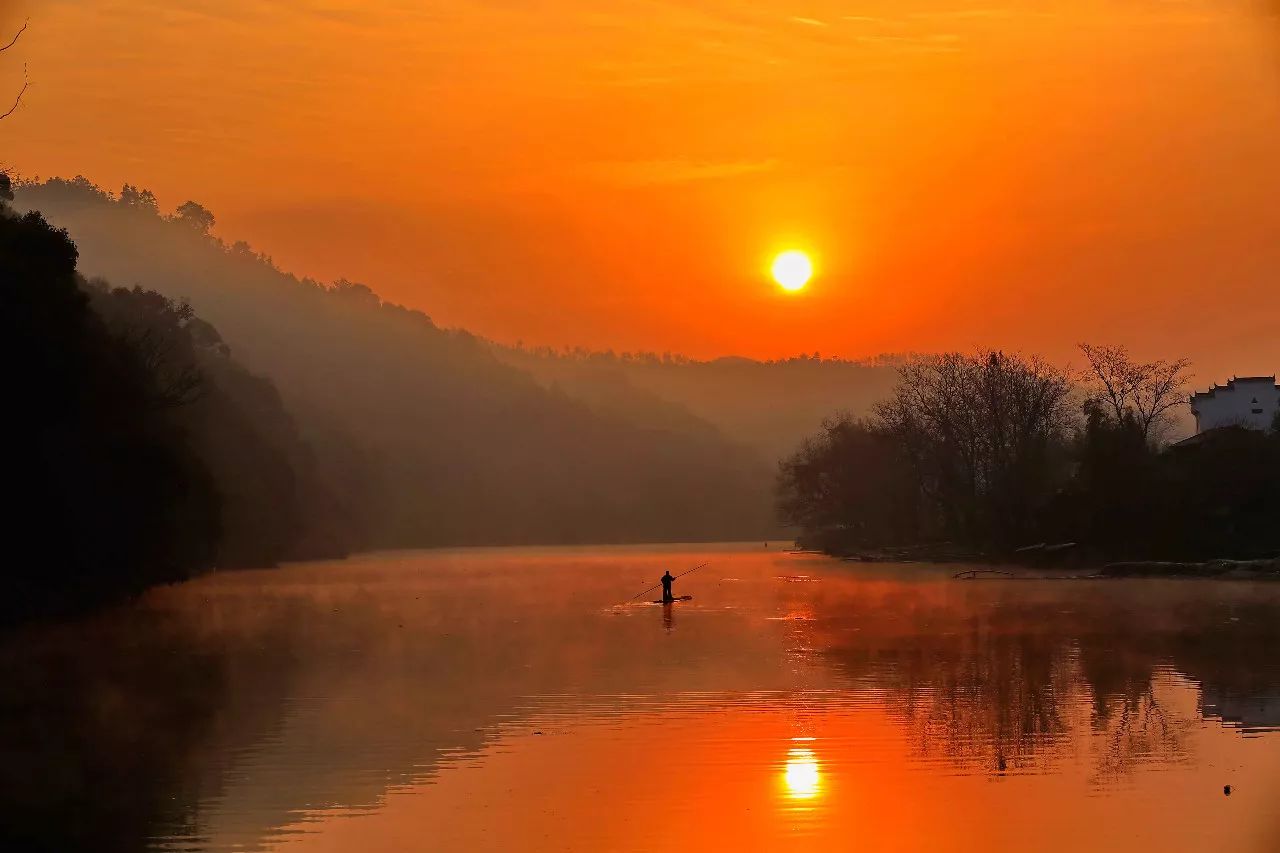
<point>421,435</point>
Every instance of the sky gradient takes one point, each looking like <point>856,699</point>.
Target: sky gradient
<point>1020,174</point>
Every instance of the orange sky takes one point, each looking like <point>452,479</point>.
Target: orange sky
<point>1024,174</point>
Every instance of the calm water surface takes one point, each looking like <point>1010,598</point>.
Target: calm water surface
<point>502,700</point>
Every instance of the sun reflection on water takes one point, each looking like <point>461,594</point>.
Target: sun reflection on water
<point>801,775</point>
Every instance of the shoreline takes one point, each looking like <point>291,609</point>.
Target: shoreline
<point>1064,557</point>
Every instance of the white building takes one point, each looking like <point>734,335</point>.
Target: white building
<point>1250,401</point>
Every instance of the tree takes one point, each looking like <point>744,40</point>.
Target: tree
<point>156,330</point>
<point>967,447</point>
<point>262,471</point>
<point>1221,496</point>
<point>1111,502</point>
<point>985,434</point>
<point>109,497</point>
<point>355,293</point>
<point>26,84</point>
<point>195,216</point>
<point>851,486</point>
<point>1146,392</point>
<point>143,200</point>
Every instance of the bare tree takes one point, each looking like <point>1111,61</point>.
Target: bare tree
<point>26,84</point>
<point>981,431</point>
<point>1146,392</point>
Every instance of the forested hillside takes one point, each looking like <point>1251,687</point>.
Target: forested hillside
<point>139,451</point>
<point>419,434</point>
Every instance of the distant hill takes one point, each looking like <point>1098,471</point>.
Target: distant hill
<point>424,434</point>
<point>768,405</point>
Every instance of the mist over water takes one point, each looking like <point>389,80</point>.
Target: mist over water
<point>500,699</point>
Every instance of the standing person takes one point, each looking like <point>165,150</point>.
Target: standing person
<point>667,580</point>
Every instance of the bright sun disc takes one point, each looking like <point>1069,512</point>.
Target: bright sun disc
<point>792,270</point>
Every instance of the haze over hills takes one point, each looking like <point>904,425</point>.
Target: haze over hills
<point>423,434</point>
<point>768,405</point>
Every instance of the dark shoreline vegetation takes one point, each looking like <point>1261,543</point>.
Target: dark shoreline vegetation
<point>993,457</point>
<point>142,452</point>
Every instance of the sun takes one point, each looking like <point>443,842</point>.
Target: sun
<point>792,270</point>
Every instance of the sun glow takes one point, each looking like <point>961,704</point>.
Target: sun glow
<point>801,775</point>
<point>792,270</point>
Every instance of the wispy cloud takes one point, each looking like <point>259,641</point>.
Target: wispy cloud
<point>962,14</point>
<point>645,172</point>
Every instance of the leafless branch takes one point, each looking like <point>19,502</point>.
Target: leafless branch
<point>1144,392</point>
<point>16,36</point>
<point>26,84</point>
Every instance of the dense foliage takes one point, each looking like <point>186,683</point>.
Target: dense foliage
<point>272,504</point>
<point>139,451</point>
<point>990,452</point>
<point>103,493</point>
<point>1217,495</point>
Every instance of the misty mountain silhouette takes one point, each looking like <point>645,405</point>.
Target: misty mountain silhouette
<point>422,434</point>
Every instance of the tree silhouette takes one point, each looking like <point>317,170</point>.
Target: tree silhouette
<point>110,498</point>
<point>1142,391</point>
<point>196,216</point>
<point>982,450</point>
<point>139,199</point>
<point>852,477</point>
<point>983,433</point>
<point>138,451</point>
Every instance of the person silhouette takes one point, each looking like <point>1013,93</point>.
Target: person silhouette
<point>667,580</point>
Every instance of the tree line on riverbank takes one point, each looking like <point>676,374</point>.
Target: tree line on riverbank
<point>983,453</point>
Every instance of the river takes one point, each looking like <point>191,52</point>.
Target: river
<point>505,699</point>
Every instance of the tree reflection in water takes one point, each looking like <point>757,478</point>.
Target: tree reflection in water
<point>215,715</point>
<point>1001,677</point>
<point>100,730</point>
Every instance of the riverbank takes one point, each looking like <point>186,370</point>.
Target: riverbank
<point>1067,556</point>
<point>1227,569</point>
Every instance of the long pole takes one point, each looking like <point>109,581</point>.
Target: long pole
<point>677,577</point>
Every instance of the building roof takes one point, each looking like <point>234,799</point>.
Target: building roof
<point>1231,385</point>
<point>1211,434</point>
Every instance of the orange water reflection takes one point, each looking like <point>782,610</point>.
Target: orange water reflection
<point>444,701</point>
<point>801,776</point>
